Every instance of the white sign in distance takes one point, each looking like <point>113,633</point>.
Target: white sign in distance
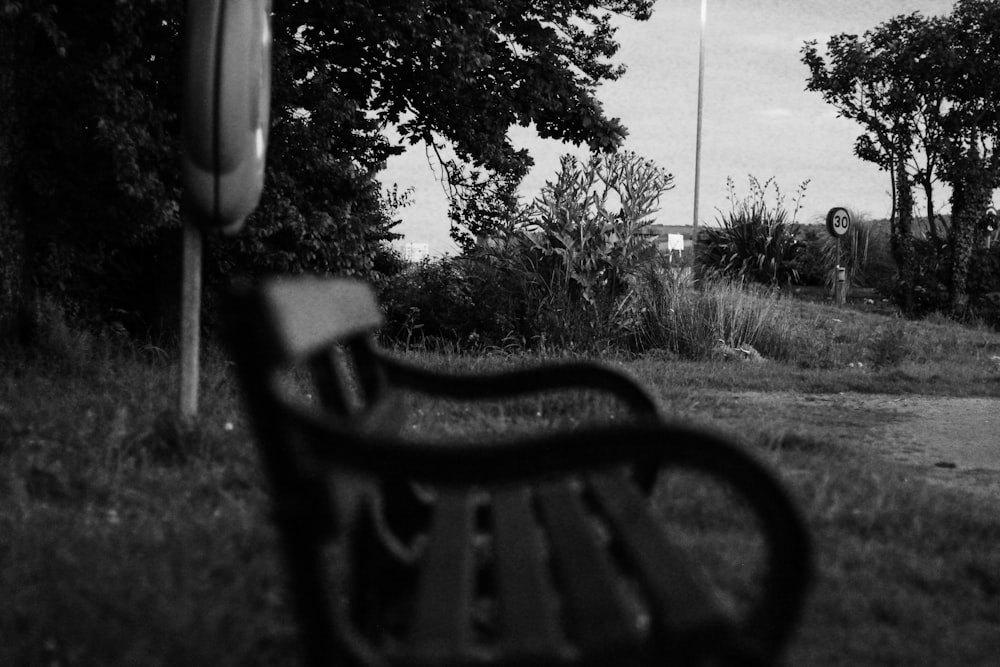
<point>838,221</point>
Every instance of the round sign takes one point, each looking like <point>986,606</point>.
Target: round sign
<point>226,109</point>
<point>838,221</point>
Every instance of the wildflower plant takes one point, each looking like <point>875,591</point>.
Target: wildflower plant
<point>590,221</point>
<point>757,239</point>
<point>577,249</point>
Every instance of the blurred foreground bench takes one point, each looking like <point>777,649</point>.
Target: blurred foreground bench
<point>542,549</point>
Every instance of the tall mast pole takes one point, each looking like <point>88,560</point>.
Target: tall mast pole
<point>697,150</point>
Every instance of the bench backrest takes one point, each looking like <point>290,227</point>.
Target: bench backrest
<point>299,317</point>
<point>313,324</point>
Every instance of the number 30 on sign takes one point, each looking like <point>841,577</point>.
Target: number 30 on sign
<point>838,221</point>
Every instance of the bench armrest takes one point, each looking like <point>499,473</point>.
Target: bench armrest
<point>657,446</point>
<point>542,378</point>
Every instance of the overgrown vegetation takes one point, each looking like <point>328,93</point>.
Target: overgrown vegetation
<point>924,90</point>
<point>563,272</point>
<point>89,136</point>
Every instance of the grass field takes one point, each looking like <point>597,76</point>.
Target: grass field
<point>124,541</point>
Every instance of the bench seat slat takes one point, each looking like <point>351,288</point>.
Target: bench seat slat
<point>681,603</point>
<point>599,620</point>
<point>528,627</point>
<point>443,607</point>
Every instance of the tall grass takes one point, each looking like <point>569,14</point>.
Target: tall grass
<point>693,322</point>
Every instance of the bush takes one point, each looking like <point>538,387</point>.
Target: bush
<point>756,240</point>
<point>570,260</point>
<point>812,262</point>
<point>889,346</point>
<point>984,284</point>
<point>864,252</point>
<point>429,300</point>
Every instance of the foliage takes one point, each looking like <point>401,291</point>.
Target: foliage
<point>99,167</point>
<point>430,301</point>
<point>480,203</point>
<point>694,323</point>
<point>756,239</point>
<point>466,71</point>
<point>926,92</point>
<point>812,264</point>
<point>889,346</point>
<point>588,225</point>
<point>863,252</point>
<point>578,249</point>
<point>931,292</point>
<point>458,75</point>
<point>560,273</point>
<point>89,169</point>
<point>881,81</point>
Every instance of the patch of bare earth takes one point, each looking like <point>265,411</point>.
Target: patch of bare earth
<point>953,442</point>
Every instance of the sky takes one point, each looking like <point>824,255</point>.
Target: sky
<point>757,120</point>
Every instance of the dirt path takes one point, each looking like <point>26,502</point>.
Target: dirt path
<point>954,442</point>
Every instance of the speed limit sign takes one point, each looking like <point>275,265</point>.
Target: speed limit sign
<point>838,221</point>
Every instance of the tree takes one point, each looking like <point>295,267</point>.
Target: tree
<point>461,74</point>
<point>970,141</point>
<point>22,26</point>
<point>98,167</point>
<point>880,81</point>
<point>480,202</point>
<point>88,186</point>
<point>927,92</point>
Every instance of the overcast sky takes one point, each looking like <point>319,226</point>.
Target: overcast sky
<point>758,118</point>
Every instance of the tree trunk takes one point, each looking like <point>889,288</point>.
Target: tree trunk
<point>892,214</point>
<point>969,201</point>
<point>903,250</point>
<point>931,220</point>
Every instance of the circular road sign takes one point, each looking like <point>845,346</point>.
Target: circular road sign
<point>226,108</point>
<point>838,221</point>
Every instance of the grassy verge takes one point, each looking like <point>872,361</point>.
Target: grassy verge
<point>125,540</point>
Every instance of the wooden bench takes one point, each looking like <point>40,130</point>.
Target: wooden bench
<point>542,549</point>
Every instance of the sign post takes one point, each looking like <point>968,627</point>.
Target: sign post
<point>224,127</point>
<point>190,318</point>
<point>838,222</point>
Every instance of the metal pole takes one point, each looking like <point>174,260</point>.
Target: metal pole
<point>697,150</point>
<point>839,278</point>
<point>190,320</point>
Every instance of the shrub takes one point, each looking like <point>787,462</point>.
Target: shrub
<point>931,288</point>
<point>573,256</point>
<point>811,263</point>
<point>863,252</point>
<point>756,240</point>
<point>429,300</point>
<point>889,346</point>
